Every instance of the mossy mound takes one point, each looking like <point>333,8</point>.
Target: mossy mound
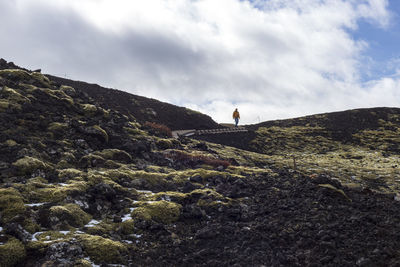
<point>89,109</point>
<point>103,250</point>
<point>160,211</point>
<point>69,213</point>
<point>11,204</point>
<point>12,253</point>
<point>115,154</point>
<point>27,165</point>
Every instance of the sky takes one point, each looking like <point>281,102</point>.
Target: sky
<point>271,59</point>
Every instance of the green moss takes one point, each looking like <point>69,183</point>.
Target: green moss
<point>82,263</point>
<point>169,196</point>
<point>13,96</point>
<point>71,213</point>
<point>68,90</point>
<point>31,226</point>
<point>54,236</point>
<point>102,132</point>
<point>209,197</point>
<point>57,193</point>
<point>102,229</point>
<point>27,165</point>
<point>115,154</point>
<point>10,143</point>
<point>58,95</point>
<point>283,140</point>
<point>16,74</point>
<point>41,78</point>
<point>12,253</point>
<point>68,156</point>
<point>70,173</point>
<point>153,178</point>
<point>89,109</point>
<point>101,249</point>
<point>4,105</point>
<point>340,191</point>
<point>182,176</point>
<point>166,143</point>
<point>127,227</point>
<point>11,204</point>
<point>192,112</point>
<point>159,211</point>
<point>134,132</point>
<point>57,127</point>
<point>91,160</point>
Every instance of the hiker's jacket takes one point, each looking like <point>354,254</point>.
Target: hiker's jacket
<point>236,115</point>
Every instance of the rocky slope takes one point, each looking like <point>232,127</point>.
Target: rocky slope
<point>144,109</point>
<point>83,185</point>
<point>360,147</point>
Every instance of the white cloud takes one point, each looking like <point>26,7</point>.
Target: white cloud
<point>271,59</point>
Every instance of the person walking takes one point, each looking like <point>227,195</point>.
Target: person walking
<point>236,117</point>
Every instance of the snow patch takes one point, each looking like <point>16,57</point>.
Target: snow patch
<point>35,204</point>
<point>128,216</point>
<point>35,235</point>
<point>92,223</point>
<point>166,198</point>
<point>136,235</point>
<point>91,262</point>
<point>145,192</point>
<point>65,232</point>
<point>1,229</point>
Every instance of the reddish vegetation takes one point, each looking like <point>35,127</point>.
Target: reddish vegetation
<point>193,160</point>
<point>159,128</point>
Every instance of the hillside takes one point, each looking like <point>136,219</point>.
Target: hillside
<point>85,185</point>
<point>359,147</point>
<point>141,108</point>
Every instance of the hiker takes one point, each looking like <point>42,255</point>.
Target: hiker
<point>236,117</point>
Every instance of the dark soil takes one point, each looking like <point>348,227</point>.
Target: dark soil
<point>283,221</point>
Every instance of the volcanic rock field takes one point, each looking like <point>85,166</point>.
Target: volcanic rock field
<point>91,176</point>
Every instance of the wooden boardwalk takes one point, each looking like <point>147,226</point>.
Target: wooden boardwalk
<point>178,133</point>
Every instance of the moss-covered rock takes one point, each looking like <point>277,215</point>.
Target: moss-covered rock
<point>127,227</point>
<point>68,90</point>
<point>15,75</point>
<point>42,79</point>
<point>101,249</point>
<point>71,214</point>
<point>82,263</point>
<point>10,143</point>
<point>163,143</point>
<point>57,127</point>
<point>57,192</point>
<point>91,160</point>
<point>11,204</point>
<point>70,173</point>
<point>4,105</point>
<point>89,109</point>
<point>27,165</point>
<point>12,253</point>
<point>13,96</point>
<point>159,211</point>
<point>115,154</point>
<point>101,132</point>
